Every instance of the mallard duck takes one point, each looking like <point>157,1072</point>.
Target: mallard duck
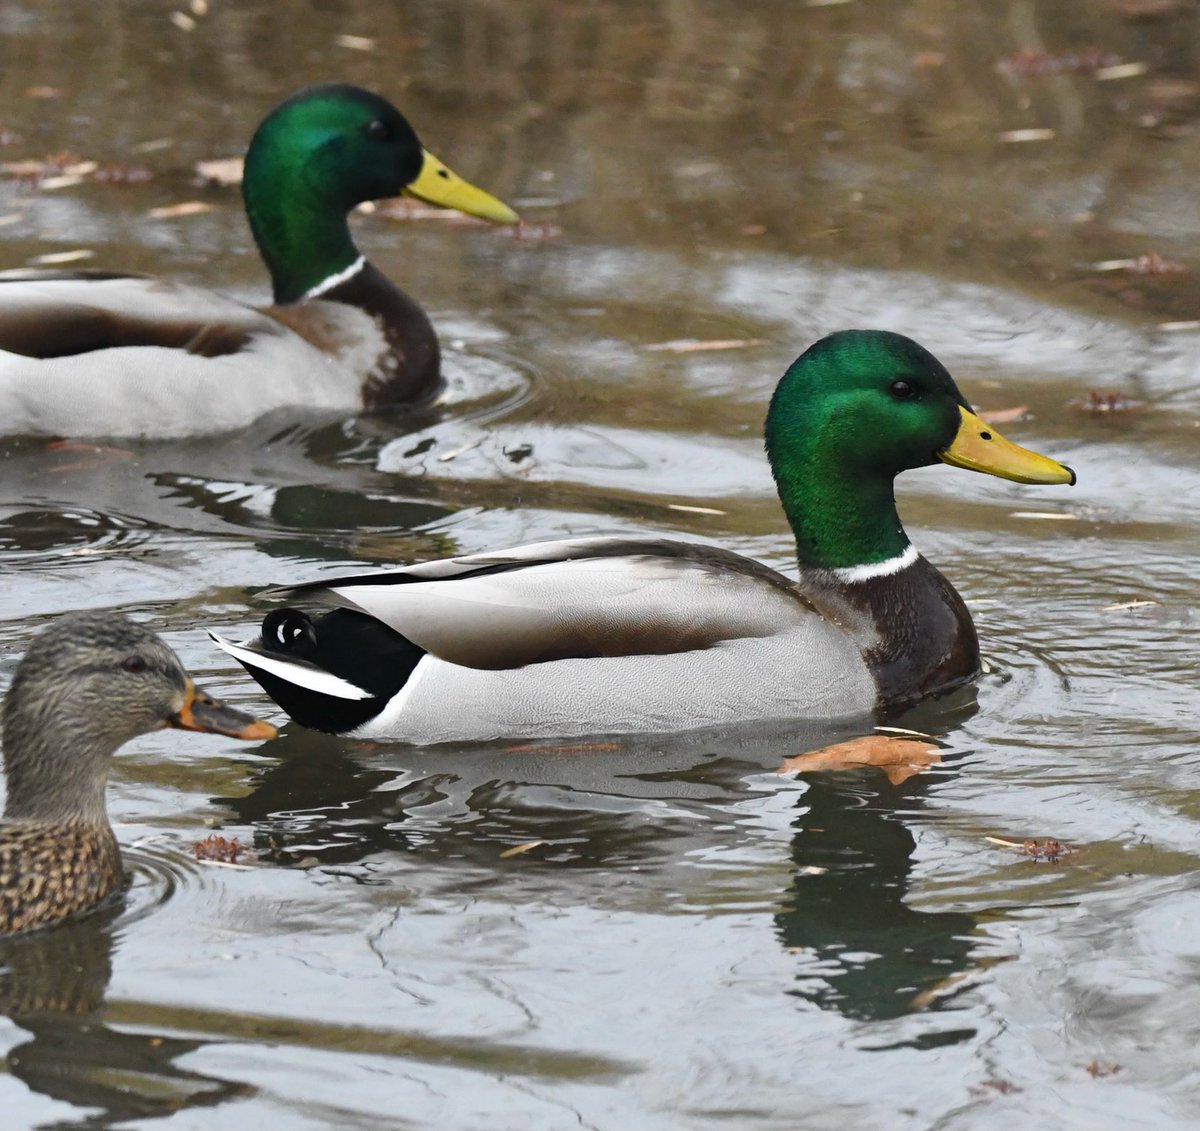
<point>610,635</point>
<point>96,353</point>
<point>87,684</point>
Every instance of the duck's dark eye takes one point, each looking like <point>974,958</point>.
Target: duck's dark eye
<point>133,664</point>
<point>902,390</point>
<point>379,131</point>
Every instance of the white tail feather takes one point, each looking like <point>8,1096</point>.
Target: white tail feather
<point>324,683</point>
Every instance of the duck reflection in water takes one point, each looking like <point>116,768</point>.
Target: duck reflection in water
<point>871,955</point>
<point>53,985</point>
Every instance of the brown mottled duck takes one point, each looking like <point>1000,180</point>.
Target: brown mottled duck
<point>88,683</point>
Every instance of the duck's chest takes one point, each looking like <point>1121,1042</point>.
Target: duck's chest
<point>915,633</point>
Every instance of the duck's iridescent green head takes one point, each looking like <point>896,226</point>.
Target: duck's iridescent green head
<point>317,155</point>
<point>850,414</point>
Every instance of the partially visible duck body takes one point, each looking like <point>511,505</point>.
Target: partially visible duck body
<point>87,684</point>
<point>105,354</point>
<point>613,635</point>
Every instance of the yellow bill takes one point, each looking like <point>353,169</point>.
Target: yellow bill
<point>979,447</point>
<point>438,185</point>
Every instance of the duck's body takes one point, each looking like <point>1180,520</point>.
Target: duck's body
<point>97,353</point>
<point>88,683</point>
<point>617,635</point>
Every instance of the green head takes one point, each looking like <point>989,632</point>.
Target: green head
<point>317,155</point>
<point>852,412</point>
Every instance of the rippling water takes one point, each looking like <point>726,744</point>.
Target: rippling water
<point>660,933</point>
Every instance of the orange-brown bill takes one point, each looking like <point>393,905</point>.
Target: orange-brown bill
<point>200,711</point>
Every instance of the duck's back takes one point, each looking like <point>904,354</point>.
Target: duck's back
<point>133,356</point>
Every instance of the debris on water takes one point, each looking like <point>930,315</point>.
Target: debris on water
<point>518,453</point>
<point>1032,63</point>
<point>1106,402</point>
<point>688,509</point>
<point>925,60</point>
<point>521,849</point>
<point>57,258</point>
<point>9,137</point>
<point>1052,516</point>
<point>120,173</point>
<point>1099,1069</point>
<point>184,208</point>
<point>695,345</point>
<point>1047,852</point>
<point>217,848</point>
<point>1182,326</point>
<point>984,1087</point>
<point>454,453</point>
<point>524,232</point>
<point>898,757</point>
<point>1151,264</point>
<point>223,171</point>
<point>355,42</point>
<point>1122,606</point>
<point>45,92</point>
<point>1121,71</point>
<point>1004,415</point>
<point>1035,134</point>
<point>564,748</point>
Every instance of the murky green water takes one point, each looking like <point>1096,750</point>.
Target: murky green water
<point>695,941</point>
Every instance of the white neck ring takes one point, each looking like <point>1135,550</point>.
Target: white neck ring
<point>851,575</point>
<point>337,278</point>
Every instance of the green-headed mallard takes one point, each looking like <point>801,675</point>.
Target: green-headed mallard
<point>87,684</point>
<point>606,635</point>
<point>95,353</point>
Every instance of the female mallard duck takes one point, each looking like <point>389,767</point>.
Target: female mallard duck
<point>616,635</point>
<point>89,682</point>
<point>88,352</point>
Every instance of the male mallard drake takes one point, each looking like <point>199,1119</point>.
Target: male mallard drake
<point>89,682</point>
<point>89,352</point>
<point>604,635</point>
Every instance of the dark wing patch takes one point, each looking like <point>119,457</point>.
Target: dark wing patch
<point>58,330</point>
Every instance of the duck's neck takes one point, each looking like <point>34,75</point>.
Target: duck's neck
<point>841,522</point>
<point>47,783</point>
<point>302,235</point>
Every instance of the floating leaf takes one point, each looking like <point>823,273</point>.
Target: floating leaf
<point>221,170</point>
<point>521,849</point>
<point>55,258</point>
<point>185,208</point>
<point>1017,136</point>
<point>355,42</point>
<point>693,510</point>
<point>1003,415</point>
<point>694,345</point>
<point>898,757</point>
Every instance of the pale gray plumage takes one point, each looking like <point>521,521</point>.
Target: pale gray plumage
<point>592,636</point>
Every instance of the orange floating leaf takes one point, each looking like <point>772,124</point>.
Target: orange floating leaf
<point>898,757</point>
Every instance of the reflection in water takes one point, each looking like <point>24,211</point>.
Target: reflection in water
<point>876,957</point>
<point>52,984</point>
